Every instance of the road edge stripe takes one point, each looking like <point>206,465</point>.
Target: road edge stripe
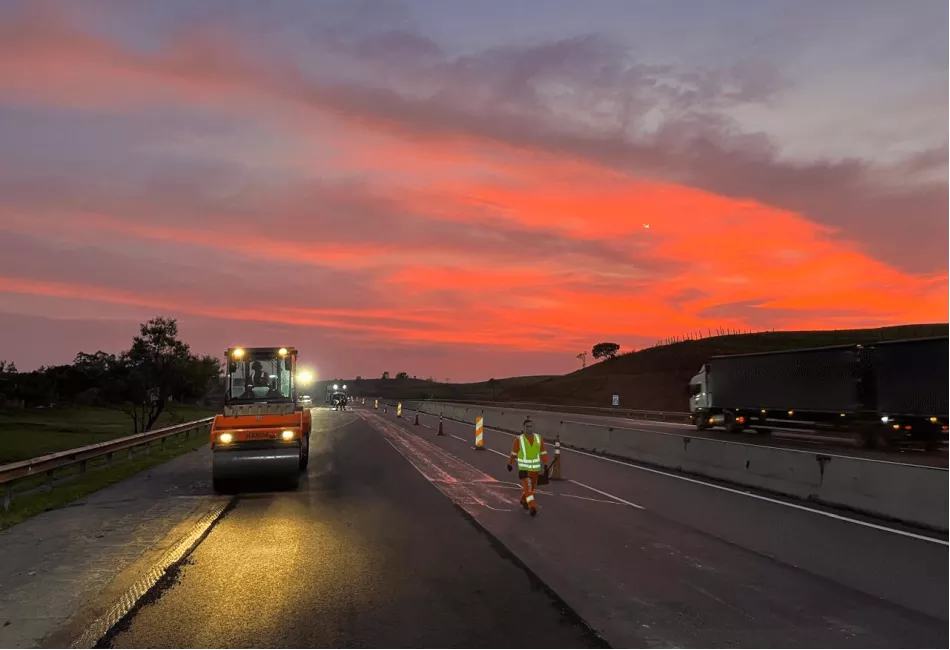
<point>100,627</point>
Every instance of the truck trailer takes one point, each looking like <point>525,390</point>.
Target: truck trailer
<point>883,394</point>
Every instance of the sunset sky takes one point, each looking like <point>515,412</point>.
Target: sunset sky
<point>466,189</point>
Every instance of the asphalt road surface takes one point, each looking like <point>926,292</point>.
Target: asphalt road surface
<point>366,553</point>
<point>654,558</point>
<point>399,538</point>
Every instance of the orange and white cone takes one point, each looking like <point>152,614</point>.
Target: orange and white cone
<point>417,419</point>
<point>556,465</point>
<point>479,433</point>
<point>440,433</point>
<point>399,409</point>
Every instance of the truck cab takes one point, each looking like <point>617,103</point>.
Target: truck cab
<point>699,397</point>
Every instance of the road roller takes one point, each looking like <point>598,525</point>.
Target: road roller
<point>264,433</point>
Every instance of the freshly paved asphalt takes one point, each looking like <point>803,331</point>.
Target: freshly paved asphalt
<point>366,553</point>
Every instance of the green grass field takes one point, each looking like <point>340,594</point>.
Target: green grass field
<point>27,433</point>
<point>29,501</point>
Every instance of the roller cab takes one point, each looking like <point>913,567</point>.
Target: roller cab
<point>263,433</point>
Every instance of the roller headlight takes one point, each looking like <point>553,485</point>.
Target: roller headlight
<point>287,435</point>
<point>225,438</point>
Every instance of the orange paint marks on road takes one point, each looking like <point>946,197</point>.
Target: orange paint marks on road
<point>465,485</point>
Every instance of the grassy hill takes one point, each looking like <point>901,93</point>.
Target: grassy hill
<point>652,379</point>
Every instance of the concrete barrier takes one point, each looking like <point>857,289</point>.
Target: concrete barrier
<point>908,493</point>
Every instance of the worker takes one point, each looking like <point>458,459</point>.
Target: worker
<point>528,449</point>
<point>259,375</point>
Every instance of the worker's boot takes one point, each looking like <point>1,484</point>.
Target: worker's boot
<point>534,512</point>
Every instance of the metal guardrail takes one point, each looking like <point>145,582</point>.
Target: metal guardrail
<point>12,473</point>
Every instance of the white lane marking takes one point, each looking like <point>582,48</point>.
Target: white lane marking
<point>488,448</point>
<point>517,486</point>
<point>752,495</point>
<point>607,494</point>
<point>577,496</point>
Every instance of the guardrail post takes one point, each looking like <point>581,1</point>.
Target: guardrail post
<point>49,481</point>
<point>109,459</point>
<point>7,497</point>
<point>148,448</point>
<point>82,467</point>
<point>162,443</point>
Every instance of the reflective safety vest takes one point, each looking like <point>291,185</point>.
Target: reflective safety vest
<point>529,456</point>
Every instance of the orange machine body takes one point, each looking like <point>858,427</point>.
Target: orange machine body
<point>263,431</point>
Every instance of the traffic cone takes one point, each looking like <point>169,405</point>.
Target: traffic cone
<point>556,465</point>
<point>440,427</point>
<point>376,404</point>
<point>479,433</point>
<point>399,409</point>
<point>417,419</point>
<point>385,407</point>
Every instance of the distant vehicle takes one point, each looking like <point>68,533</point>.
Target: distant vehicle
<point>335,394</point>
<point>887,393</point>
<point>338,401</point>
<point>263,431</point>
<point>305,401</point>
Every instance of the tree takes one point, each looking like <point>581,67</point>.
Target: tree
<point>7,367</point>
<point>583,357</point>
<point>605,350</point>
<point>402,375</point>
<point>155,368</point>
<point>386,375</point>
<point>201,375</point>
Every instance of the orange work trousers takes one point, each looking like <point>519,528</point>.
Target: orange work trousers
<point>528,481</point>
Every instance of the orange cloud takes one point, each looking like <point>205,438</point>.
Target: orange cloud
<point>574,250</point>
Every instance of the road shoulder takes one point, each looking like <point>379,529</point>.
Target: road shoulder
<point>60,568</point>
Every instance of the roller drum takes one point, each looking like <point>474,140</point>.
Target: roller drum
<point>266,463</point>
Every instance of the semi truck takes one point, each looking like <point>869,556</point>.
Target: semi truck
<point>263,432</point>
<point>881,394</point>
<point>335,395</point>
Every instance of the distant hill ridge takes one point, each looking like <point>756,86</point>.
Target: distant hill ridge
<point>653,379</point>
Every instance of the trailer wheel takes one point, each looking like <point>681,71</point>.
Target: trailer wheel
<point>732,426</point>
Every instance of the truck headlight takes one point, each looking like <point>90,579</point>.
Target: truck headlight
<point>287,435</point>
<point>225,438</point>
